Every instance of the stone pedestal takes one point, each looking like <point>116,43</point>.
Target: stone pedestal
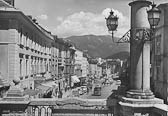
<point>140,94</point>
<point>13,108</point>
<point>138,107</point>
<point>14,103</point>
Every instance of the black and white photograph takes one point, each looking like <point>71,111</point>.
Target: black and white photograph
<point>83,57</point>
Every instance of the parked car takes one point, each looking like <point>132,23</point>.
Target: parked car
<point>107,82</point>
<point>80,91</point>
<point>97,90</point>
<point>118,82</point>
<point>75,93</point>
<point>84,89</point>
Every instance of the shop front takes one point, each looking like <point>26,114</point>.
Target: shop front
<point>75,82</point>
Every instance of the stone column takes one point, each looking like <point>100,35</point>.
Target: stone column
<point>38,64</point>
<point>139,52</point>
<point>34,65</point>
<point>29,64</point>
<point>146,67</point>
<point>24,66</point>
<point>43,65</point>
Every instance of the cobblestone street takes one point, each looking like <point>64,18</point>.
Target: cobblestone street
<point>105,92</point>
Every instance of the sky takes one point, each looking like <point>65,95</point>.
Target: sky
<point>66,18</point>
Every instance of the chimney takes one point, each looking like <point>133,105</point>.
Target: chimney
<point>11,2</point>
<point>30,16</point>
<point>34,20</point>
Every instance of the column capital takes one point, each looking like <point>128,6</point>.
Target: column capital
<point>140,2</point>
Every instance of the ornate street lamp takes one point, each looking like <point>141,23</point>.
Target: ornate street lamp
<point>153,19</point>
<point>112,23</point>
<point>154,16</point>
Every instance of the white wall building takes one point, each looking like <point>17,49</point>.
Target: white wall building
<point>78,62</point>
<point>85,67</point>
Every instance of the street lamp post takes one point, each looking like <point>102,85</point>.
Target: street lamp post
<point>112,23</point>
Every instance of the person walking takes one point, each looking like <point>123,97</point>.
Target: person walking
<point>87,90</point>
<point>60,94</point>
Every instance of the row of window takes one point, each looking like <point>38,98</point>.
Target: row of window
<point>30,67</point>
<point>25,41</point>
<point>34,66</point>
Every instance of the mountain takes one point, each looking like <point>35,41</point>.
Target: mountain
<point>120,55</point>
<point>98,46</point>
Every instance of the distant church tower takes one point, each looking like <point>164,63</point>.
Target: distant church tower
<point>11,2</point>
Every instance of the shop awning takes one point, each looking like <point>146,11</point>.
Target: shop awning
<point>84,75</point>
<point>50,84</point>
<point>43,88</point>
<point>75,79</point>
<point>31,92</point>
<point>48,76</point>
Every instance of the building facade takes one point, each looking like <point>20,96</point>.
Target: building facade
<point>159,56</point>
<point>30,53</point>
<point>25,48</point>
<point>64,67</point>
<point>93,68</point>
<point>85,67</point>
<point>78,62</point>
<point>99,71</point>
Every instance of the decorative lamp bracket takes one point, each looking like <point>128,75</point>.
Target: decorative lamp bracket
<point>143,34</point>
<point>125,38</point>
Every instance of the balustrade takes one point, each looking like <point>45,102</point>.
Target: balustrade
<point>56,107</point>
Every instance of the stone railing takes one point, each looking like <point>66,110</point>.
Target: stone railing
<point>160,110</point>
<point>16,104</point>
<point>49,106</point>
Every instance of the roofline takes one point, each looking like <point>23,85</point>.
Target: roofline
<point>32,23</point>
<point>6,3</point>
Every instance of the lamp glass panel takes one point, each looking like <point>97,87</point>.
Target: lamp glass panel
<point>151,21</point>
<point>109,27</point>
<point>156,15</point>
<point>112,24</point>
<point>116,22</point>
<point>156,21</point>
<point>150,14</point>
<point>107,21</point>
<point>112,27</point>
<point>153,17</point>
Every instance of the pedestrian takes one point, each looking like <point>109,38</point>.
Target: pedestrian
<point>87,90</point>
<point>60,94</point>
<point>54,93</point>
<point>65,89</point>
